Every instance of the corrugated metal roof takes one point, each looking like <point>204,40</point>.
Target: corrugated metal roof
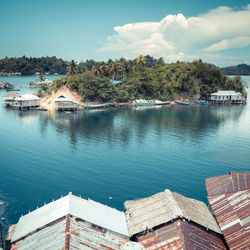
<point>181,234</point>
<point>11,95</point>
<point>88,210</point>
<point>83,234</point>
<point>226,92</point>
<point>228,183</point>
<point>63,98</point>
<point>27,97</point>
<point>229,197</point>
<point>71,232</point>
<point>50,237</point>
<point>163,207</point>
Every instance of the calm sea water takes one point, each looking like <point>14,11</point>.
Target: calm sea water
<point>124,154</point>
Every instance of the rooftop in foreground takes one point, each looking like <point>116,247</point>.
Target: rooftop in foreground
<point>163,207</point>
<point>229,197</point>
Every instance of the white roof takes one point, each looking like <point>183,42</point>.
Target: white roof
<point>27,97</point>
<point>46,81</point>
<point>88,210</point>
<point>63,98</point>
<point>226,92</point>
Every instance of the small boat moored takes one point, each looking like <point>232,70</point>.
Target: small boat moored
<point>202,102</point>
<point>12,89</point>
<point>142,102</point>
<point>95,106</point>
<point>182,103</point>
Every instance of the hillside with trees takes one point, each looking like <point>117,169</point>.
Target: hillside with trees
<point>136,80</point>
<point>31,65</point>
<point>241,69</point>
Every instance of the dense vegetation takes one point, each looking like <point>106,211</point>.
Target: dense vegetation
<point>241,69</point>
<point>31,65</point>
<point>136,80</point>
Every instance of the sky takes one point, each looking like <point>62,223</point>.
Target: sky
<point>218,32</point>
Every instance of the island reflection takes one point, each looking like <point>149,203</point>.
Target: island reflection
<point>122,124</point>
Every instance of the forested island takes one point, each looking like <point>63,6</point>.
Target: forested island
<point>126,80</point>
<point>31,65</point>
<point>51,65</point>
<point>241,69</point>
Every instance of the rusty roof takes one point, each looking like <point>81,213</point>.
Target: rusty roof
<point>228,183</point>
<point>70,232</point>
<point>12,95</point>
<point>181,234</point>
<point>229,196</point>
<point>165,206</point>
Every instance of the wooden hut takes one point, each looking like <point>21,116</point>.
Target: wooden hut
<point>64,103</point>
<point>168,220</point>
<point>10,99</point>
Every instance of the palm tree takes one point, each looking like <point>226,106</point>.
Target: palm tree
<point>114,69</point>
<point>140,60</point>
<point>72,68</point>
<point>41,78</point>
<point>97,69</point>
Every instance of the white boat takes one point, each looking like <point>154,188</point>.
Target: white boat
<point>142,102</point>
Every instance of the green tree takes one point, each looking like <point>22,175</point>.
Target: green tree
<point>72,68</point>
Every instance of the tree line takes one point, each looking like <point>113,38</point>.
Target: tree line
<point>31,65</point>
<point>136,80</point>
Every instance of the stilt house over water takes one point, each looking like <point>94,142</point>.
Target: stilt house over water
<point>10,99</point>
<point>64,103</point>
<point>169,220</point>
<point>27,101</point>
<point>227,97</point>
<point>229,199</point>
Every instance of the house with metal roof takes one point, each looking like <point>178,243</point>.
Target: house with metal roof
<point>168,220</point>
<point>227,97</point>
<point>64,103</point>
<point>72,223</point>
<point>27,101</point>
<point>229,199</point>
<point>9,99</point>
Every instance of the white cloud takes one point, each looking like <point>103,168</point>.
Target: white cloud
<point>237,42</point>
<point>176,37</point>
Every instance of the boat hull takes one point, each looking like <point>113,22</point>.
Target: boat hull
<point>182,103</point>
<point>97,106</point>
<point>202,102</point>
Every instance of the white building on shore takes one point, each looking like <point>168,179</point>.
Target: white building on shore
<point>64,103</point>
<point>227,97</point>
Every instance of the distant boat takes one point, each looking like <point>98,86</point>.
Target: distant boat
<point>182,103</point>
<point>96,106</point>
<point>142,102</point>
<point>12,89</point>
<point>202,102</point>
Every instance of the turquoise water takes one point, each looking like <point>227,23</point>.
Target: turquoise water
<point>124,154</point>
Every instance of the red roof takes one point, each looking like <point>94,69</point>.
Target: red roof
<point>13,94</point>
<point>181,234</point>
<point>228,196</point>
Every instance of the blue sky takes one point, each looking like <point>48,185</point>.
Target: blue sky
<point>216,31</point>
